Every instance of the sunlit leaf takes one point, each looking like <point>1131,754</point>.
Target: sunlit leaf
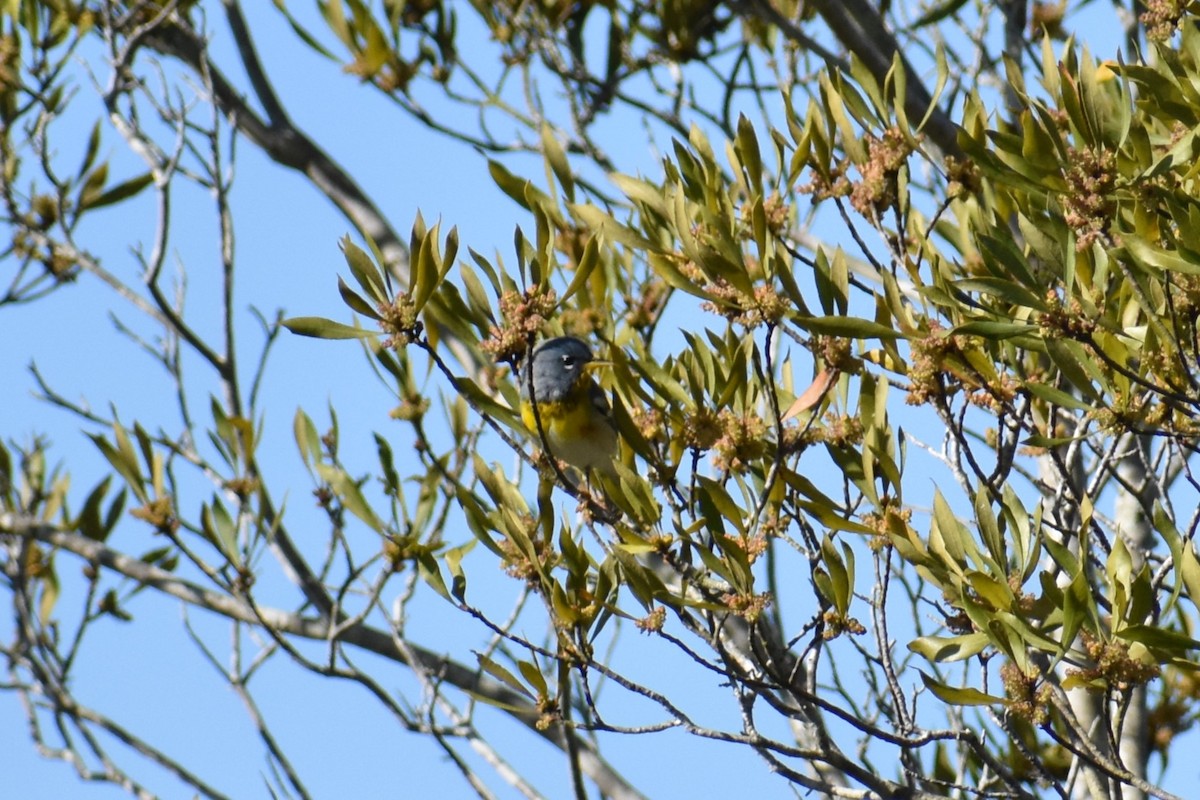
<point>959,695</point>
<point>321,328</point>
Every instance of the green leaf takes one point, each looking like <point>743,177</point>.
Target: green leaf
<point>945,649</point>
<point>824,585</point>
<point>307,438</point>
<point>849,327</point>
<point>93,144</point>
<point>632,494</point>
<point>1078,607</point>
<point>1189,571</point>
<point>6,471</point>
<point>124,461</point>
<point>556,158</point>
<point>93,185</point>
<point>50,591</point>
<point>1166,528</point>
<point>477,520</point>
<point>1119,569</point>
<point>642,192</point>
<point>748,151</point>
<point>839,576</point>
<point>1158,637</point>
<point>430,266</point>
<point>509,183</point>
<point>387,465</point>
<point>477,297</point>
<point>642,582</point>
<point>716,505</point>
<point>1002,289</point>
<point>524,192</point>
<point>1037,440</point>
<point>321,328</point>
<point>220,529</point>
<point>1007,636</point>
<point>587,265</point>
<point>454,557</point>
<point>451,247</point>
<point>989,530</point>
<point>863,81</point>
<point>534,677</point>
<point>349,492</point>
<point>503,675</point>
<point>946,534</point>
<point>356,301</point>
<point>835,108</point>
<point>122,191</point>
<point>431,573</point>
<point>1057,397</point>
<point>427,500</point>
<point>600,222</point>
<point>1066,357</point>
<point>303,33</point>
<point>114,513</point>
<point>717,565</point>
<point>89,522</point>
<point>1155,257</point>
<point>363,268</point>
<point>994,592</point>
<point>937,13</point>
<point>989,329</point>
<point>959,696</point>
<point>1062,555</point>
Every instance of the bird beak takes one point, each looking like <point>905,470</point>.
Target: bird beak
<point>596,363</point>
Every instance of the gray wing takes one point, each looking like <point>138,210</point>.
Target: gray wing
<point>600,403</point>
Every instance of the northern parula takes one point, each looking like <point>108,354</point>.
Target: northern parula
<point>575,416</point>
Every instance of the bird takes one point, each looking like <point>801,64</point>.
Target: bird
<point>575,417</point>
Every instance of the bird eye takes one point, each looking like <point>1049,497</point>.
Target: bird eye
<point>568,361</point>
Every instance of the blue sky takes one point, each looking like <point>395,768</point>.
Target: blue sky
<point>147,674</point>
<point>151,679</point>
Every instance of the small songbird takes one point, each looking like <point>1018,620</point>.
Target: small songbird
<point>575,416</point>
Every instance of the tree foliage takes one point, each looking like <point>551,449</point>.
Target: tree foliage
<point>882,245</point>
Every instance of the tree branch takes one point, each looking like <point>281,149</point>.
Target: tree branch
<point>319,628</point>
